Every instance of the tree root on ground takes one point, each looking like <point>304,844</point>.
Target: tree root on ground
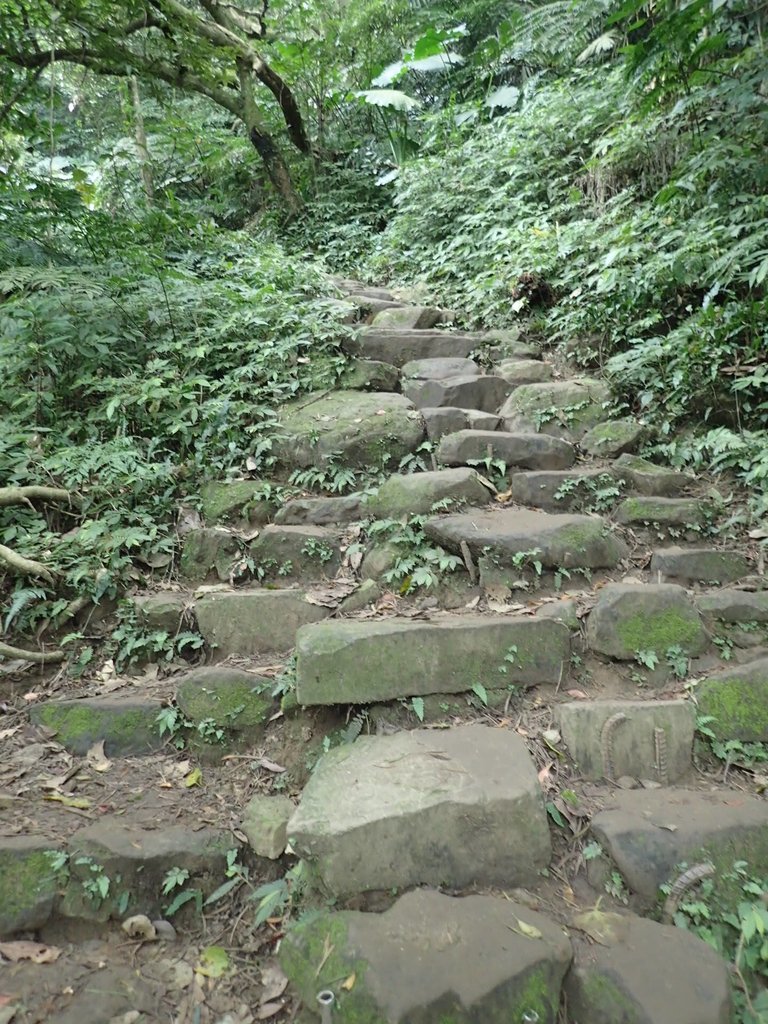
<point>37,657</point>
<point>26,495</point>
<point>25,566</point>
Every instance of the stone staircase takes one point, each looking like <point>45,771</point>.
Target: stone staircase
<point>540,697</point>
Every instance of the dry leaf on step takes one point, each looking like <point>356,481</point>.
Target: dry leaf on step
<point>97,759</point>
<point>274,982</point>
<point>34,951</point>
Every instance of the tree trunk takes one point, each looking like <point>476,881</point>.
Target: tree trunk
<point>141,140</point>
<point>264,144</point>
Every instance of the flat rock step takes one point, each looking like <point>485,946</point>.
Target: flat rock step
<point>456,807</point>
<point>249,622</point>
<point>417,493</point>
<point>468,391</point>
<point>560,541</point>
<point>708,565</point>
<point>439,369</point>
<point>433,958</point>
<point>320,511</point>
<point>403,346</point>
<point>649,740</point>
<point>298,552</point>
<point>656,618</point>
<point>565,489</point>
<point>526,451</point>
<point>126,724</point>
<point>649,833</point>
<point>565,408</point>
<point>359,662</point>
<point>451,419</point>
<point>413,318</point>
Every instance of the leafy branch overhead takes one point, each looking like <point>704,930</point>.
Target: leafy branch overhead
<point>213,49</point>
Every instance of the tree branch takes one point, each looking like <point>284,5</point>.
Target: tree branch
<point>25,566</point>
<point>36,657</point>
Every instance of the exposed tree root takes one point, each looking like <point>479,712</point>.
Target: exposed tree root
<point>26,495</point>
<point>36,657</point>
<point>25,566</point>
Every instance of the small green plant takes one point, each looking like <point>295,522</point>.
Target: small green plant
<point>596,493</point>
<point>172,723</point>
<point>510,658</point>
<point>135,642</point>
<point>419,563</point>
<point>417,707</point>
<point>330,476</point>
<point>314,548</point>
<point>677,660</point>
<point>592,851</point>
<point>724,645</point>
<point>175,881</point>
<point>649,659</point>
<point>282,897</point>
<point>495,470</point>
<point>616,888</point>
<point>481,693</point>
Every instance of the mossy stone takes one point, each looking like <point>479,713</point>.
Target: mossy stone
<point>664,511</point>
<point>224,500</point>
<point>127,725</point>
<point>28,884</point>
<point>737,701</point>
<point>629,618</point>
<point>236,701</point>
<point>614,437</point>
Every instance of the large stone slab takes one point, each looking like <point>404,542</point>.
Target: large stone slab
<point>633,617</point>
<point>369,375</point>
<point>299,552</point>
<point>358,662</point>
<point>357,428</point>
<point>208,553</point>
<point>708,565</point>
<point>524,371</point>
<point>28,883</point>
<point>238,702</point>
<point>648,478</point>
<point>732,605</point>
<point>564,409</point>
<point>485,393</point>
<point>251,622</point>
<point>320,511</point>
<point>434,959</point>
<point>223,500</point>
<point>409,318</point>
<point>737,701</point>
<point>664,512</point>
<point>401,346</point>
<point>565,489</point>
<point>642,972</point>
<point>127,725</point>
<point>458,807</point>
<point>613,437</point>
<point>417,493</point>
<point>561,541</point>
<point>449,420</point>
<point>168,611</point>
<point>439,369</point>
<point>611,738</point>
<point>137,861</point>
<point>648,833</point>
<point>528,451</point>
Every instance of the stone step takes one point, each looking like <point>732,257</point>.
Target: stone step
<point>736,701</point>
<point>362,661</point>
<point>133,860</point>
<point>663,513</point>
<point>356,429</point>
<point>209,553</point>
<point>456,807</point>
<point>411,318</point>
<point>486,393</point>
<point>450,420</point>
<point>439,369</point>
<point>296,552</point>
<point>734,605</point>
<point>126,724</point>
<point>369,375</point>
<point>703,565</point>
<point>523,371</point>
<point>371,305</point>
<point>629,618</point>
<point>320,511</point>
<point>566,409</point>
<point>417,493</point>
<point>434,958</point>
<point>650,479</point>
<point>232,500</point>
<point>649,833</point>
<point>648,740</point>
<point>403,346</point>
<point>559,541</point>
<point>638,970</point>
<point>610,438</point>
<point>350,285</point>
<point>526,451</point>
<point>565,489</point>
<point>249,622</point>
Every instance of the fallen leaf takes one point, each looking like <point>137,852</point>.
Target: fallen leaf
<point>267,1010</point>
<point>80,803</point>
<point>7,733</point>
<point>97,759</point>
<point>577,694</point>
<point>34,951</point>
<point>194,778</point>
<point>274,982</point>
<point>666,827</point>
<point>349,983</point>
<point>528,930</point>
<point>32,696</point>
<point>213,963</point>
<point>602,927</point>
<point>271,766</point>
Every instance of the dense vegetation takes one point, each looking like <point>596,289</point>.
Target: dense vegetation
<point>178,177</point>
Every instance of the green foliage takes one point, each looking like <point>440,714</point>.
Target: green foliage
<point>730,914</point>
<point>419,562</point>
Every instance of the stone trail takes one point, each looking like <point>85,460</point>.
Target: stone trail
<point>585,604</point>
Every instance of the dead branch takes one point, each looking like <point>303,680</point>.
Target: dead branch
<point>25,566</point>
<point>26,495</point>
